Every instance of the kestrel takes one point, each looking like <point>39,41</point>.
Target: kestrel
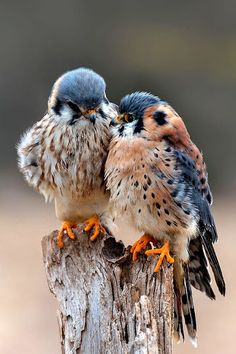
<point>63,155</point>
<point>157,177</point>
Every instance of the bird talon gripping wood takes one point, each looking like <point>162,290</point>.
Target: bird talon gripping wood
<point>164,252</point>
<point>157,177</point>
<point>140,245</point>
<point>66,227</point>
<point>95,224</point>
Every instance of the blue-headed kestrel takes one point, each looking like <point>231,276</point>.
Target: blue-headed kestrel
<point>63,155</point>
<point>157,177</point>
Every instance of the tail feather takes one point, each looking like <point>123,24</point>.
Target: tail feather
<point>214,263</point>
<point>198,272</point>
<point>188,306</point>
<point>195,273</point>
<point>184,306</point>
<point>178,320</point>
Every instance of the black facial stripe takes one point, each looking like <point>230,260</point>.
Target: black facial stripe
<point>58,106</point>
<point>139,126</point>
<point>74,107</point>
<point>121,129</point>
<point>74,119</point>
<point>102,114</point>
<point>159,117</point>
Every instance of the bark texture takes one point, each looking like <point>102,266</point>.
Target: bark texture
<point>107,303</point>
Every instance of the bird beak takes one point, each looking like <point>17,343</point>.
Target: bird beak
<point>119,118</point>
<point>91,115</point>
<point>116,120</point>
<point>113,111</point>
<point>113,123</point>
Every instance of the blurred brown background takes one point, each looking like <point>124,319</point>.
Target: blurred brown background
<point>183,51</point>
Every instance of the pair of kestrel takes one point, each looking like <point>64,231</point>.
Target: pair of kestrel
<point>146,167</point>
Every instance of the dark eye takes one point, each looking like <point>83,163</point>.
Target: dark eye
<point>74,107</point>
<point>129,117</point>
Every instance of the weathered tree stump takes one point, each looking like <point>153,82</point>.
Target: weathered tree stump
<point>107,303</point>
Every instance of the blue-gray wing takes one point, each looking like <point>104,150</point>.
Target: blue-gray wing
<point>202,246</point>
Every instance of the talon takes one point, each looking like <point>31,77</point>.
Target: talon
<point>95,224</point>
<point>141,244</point>
<point>164,251</point>
<point>66,226</point>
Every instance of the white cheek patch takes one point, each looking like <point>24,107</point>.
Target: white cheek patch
<point>67,115</point>
<point>128,131</point>
<point>64,116</point>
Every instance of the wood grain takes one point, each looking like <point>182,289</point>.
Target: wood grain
<point>107,303</point>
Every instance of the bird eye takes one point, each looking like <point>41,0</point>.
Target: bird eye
<point>129,117</point>
<point>73,106</point>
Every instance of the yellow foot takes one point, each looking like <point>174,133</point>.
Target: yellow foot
<point>164,251</point>
<point>95,224</point>
<point>66,226</point>
<point>141,244</point>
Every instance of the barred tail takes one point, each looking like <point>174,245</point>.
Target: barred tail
<point>195,273</point>
<point>178,320</point>
<point>213,261</point>
<point>183,305</point>
<point>201,249</point>
<point>198,268</point>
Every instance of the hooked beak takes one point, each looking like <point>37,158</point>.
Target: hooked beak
<point>113,122</point>
<point>91,114</point>
<point>119,118</point>
<point>116,120</point>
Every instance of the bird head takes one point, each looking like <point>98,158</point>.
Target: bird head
<point>79,96</point>
<point>145,115</point>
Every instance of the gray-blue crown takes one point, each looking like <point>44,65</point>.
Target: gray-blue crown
<point>82,86</point>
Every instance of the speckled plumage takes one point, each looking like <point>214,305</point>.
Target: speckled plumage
<point>157,177</point>
<point>63,155</point>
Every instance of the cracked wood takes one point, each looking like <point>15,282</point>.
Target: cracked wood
<point>107,303</point>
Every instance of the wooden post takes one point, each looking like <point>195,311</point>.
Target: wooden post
<point>107,303</point>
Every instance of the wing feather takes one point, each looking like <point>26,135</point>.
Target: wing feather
<point>206,225</point>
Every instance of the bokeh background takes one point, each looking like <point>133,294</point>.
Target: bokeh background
<point>183,51</point>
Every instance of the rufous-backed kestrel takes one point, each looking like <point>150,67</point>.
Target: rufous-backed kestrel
<point>63,155</point>
<point>157,176</point>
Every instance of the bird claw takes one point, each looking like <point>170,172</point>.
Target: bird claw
<point>95,224</point>
<point>141,244</point>
<point>66,226</point>
<point>164,251</point>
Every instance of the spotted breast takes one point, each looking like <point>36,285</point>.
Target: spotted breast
<point>156,175</point>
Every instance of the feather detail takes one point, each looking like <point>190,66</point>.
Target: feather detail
<point>214,263</point>
<point>198,268</point>
<point>183,305</point>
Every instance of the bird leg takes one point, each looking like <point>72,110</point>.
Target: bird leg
<point>95,224</point>
<point>141,244</point>
<point>164,251</point>
<point>66,226</point>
